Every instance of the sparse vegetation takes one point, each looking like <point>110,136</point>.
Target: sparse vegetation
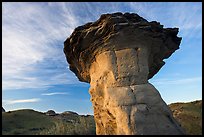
<point>25,122</point>
<point>189,115</point>
<point>30,122</point>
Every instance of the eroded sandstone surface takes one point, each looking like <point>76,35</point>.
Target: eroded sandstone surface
<point>117,55</point>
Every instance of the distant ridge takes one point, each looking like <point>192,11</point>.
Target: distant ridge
<point>31,122</point>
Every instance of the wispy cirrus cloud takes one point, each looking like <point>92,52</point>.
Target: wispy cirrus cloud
<point>32,42</point>
<point>177,81</point>
<point>55,93</point>
<point>184,15</point>
<point>32,36</point>
<point>32,100</point>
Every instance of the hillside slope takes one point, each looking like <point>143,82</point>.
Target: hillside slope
<point>30,122</point>
<point>25,122</point>
<point>189,115</point>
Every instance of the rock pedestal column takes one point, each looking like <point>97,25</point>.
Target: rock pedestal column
<point>117,55</point>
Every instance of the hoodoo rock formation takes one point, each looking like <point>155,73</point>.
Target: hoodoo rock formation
<point>117,55</point>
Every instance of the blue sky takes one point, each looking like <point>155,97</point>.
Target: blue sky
<point>35,73</point>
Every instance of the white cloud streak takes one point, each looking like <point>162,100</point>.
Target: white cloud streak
<point>55,93</point>
<point>183,81</point>
<point>32,100</point>
<point>31,33</point>
<point>184,15</point>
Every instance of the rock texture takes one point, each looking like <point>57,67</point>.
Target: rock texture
<point>117,55</point>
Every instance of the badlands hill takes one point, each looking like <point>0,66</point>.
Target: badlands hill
<point>30,122</point>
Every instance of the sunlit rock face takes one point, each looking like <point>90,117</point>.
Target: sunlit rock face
<point>117,55</point>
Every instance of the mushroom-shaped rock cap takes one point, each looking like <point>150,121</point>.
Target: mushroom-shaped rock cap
<point>119,31</point>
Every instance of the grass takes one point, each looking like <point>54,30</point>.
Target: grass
<point>30,122</point>
<point>24,122</point>
<point>72,125</point>
<point>189,115</point>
